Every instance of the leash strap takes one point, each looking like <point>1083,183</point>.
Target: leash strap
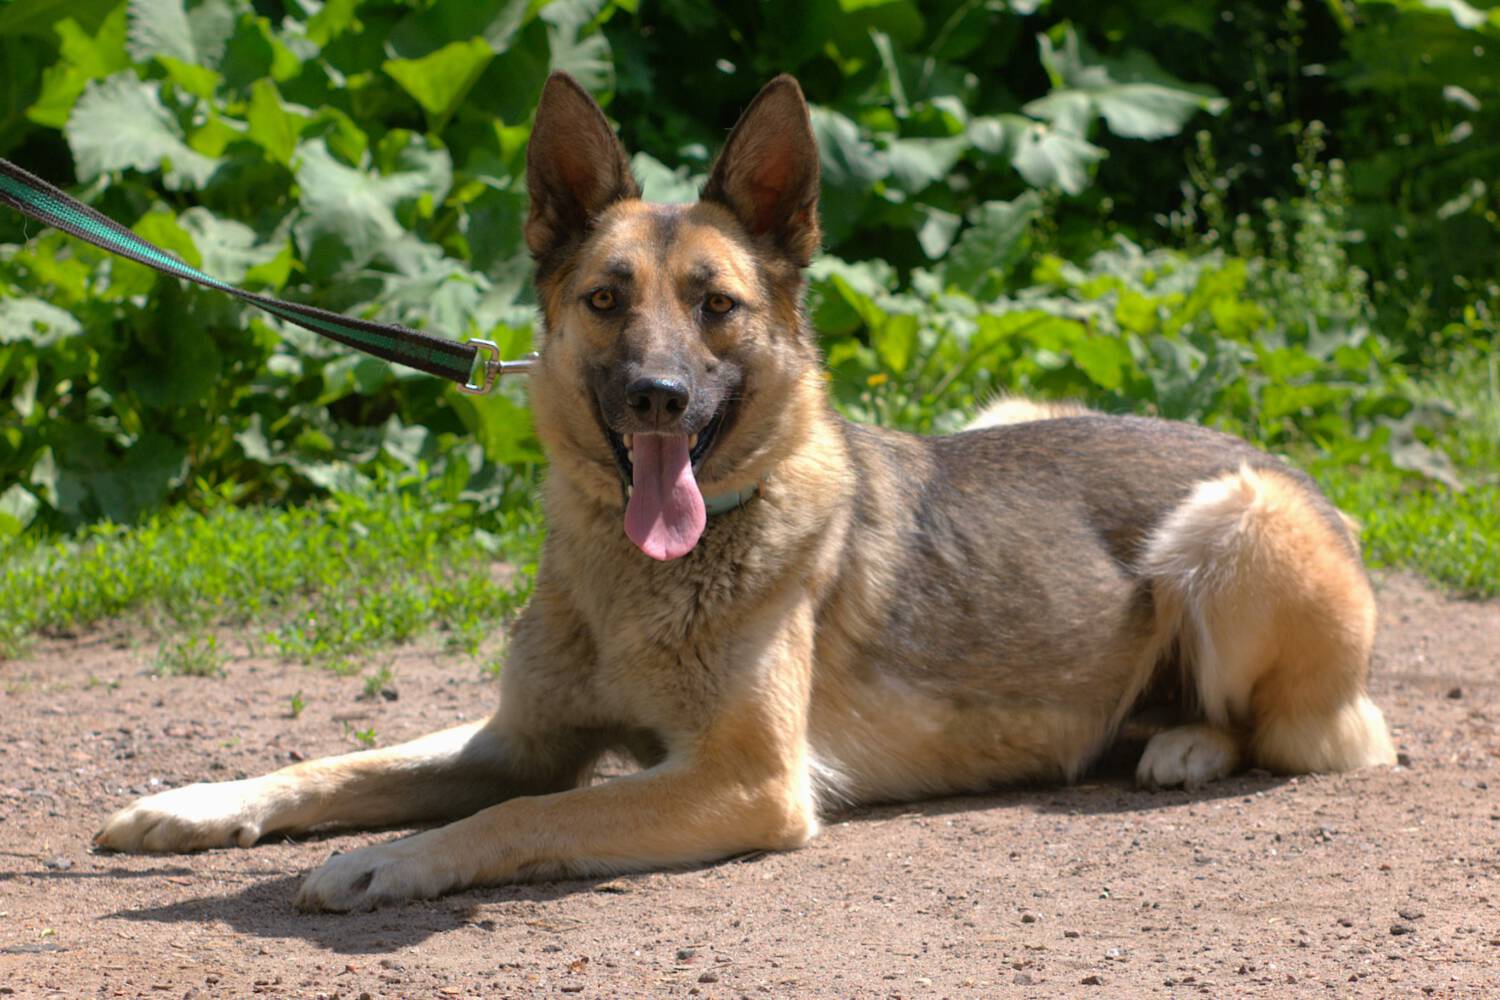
<point>457,362</point>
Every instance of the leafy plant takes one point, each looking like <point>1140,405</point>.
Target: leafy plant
<point>378,683</point>
<point>1278,218</point>
<point>366,157</point>
<point>194,654</point>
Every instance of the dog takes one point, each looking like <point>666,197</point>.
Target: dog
<point>778,613</point>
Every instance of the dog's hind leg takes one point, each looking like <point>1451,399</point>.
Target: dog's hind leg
<point>444,775</point>
<point>1275,621</point>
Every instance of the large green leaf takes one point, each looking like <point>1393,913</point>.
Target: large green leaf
<point>83,57</point>
<point>18,508</point>
<point>271,125</point>
<point>1047,157</point>
<point>849,160</point>
<point>119,123</point>
<point>37,17</point>
<point>660,183</point>
<point>1464,15</point>
<point>227,249</point>
<point>494,21</point>
<point>1134,96</point>
<point>994,234</point>
<point>33,321</point>
<point>441,80</point>
<point>168,28</point>
<point>916,163</point>
<point>350,214</point>
<point>577,46</point>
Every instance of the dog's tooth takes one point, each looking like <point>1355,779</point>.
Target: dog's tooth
<point>692,442</point>
<point>629,489</point>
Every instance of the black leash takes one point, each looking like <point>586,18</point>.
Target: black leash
<point>457,362</point>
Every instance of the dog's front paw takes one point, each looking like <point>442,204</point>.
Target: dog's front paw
<point>1190,756</point>
<point>410,868</point>
<point>192,818</point>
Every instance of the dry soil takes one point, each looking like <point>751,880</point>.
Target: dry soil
<point>1379,883</point>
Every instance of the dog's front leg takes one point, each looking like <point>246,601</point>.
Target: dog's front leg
<point>734,780</point>
<point>674,814</point>
<point>440,776</point>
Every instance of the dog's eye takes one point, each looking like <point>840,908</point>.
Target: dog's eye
<point>719,305</point>
<point>602,300</point>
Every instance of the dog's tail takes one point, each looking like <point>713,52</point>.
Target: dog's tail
<point>1274,618</point>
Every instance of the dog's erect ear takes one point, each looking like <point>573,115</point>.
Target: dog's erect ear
<point>767,174</point>
<point>575,167</point>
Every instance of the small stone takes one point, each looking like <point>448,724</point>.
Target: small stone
<point>1403,759</point>
<point>1070,934</point>
<point>1455,693</point>
<point>1399,929</point>
<point>1094,980</point>
<point>573,988</point>
<point>58,864</point>
<point>1028,918</point>
<point>389,693</point>
<point>1410,914</point>
<point>1022,979</point>
<point>686,954</point>
<point>709,977</point>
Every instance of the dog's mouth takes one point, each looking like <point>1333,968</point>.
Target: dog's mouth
<point>664,509</point>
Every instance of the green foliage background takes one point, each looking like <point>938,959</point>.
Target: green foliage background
<point>1280,218</point>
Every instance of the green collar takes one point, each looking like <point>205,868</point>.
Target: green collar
<point>726,502</point>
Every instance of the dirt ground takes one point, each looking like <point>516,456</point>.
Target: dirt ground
<point>1373,884</point>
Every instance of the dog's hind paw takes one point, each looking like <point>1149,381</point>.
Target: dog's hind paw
<point>192,818</point>
<point>380,874</point>
<point>1190,756</point>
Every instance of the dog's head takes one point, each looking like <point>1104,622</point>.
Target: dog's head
<point>674,352</point>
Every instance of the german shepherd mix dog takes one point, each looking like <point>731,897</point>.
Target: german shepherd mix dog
<point>777,612</point>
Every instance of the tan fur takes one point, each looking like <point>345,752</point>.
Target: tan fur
<point>889,618</point>
<point>1277,624</point>
<point>1006,410</point>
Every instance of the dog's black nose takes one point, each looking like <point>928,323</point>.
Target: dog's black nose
<point>657,400</point>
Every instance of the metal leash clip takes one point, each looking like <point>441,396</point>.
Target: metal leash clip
<point>491,368</point>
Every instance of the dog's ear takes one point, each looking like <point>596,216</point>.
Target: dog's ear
<point>767,174</point>
<point>575,167</point>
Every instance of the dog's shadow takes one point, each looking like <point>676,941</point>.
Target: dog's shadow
<point>263,907</point>
<point>1109,788</point>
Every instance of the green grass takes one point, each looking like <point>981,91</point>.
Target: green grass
<point>1411,522</point>
<point>194,654</point>
<point>315,583</point>
<point>1451,538</point>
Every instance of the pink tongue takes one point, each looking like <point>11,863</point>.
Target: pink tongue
<point>665,515</point>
